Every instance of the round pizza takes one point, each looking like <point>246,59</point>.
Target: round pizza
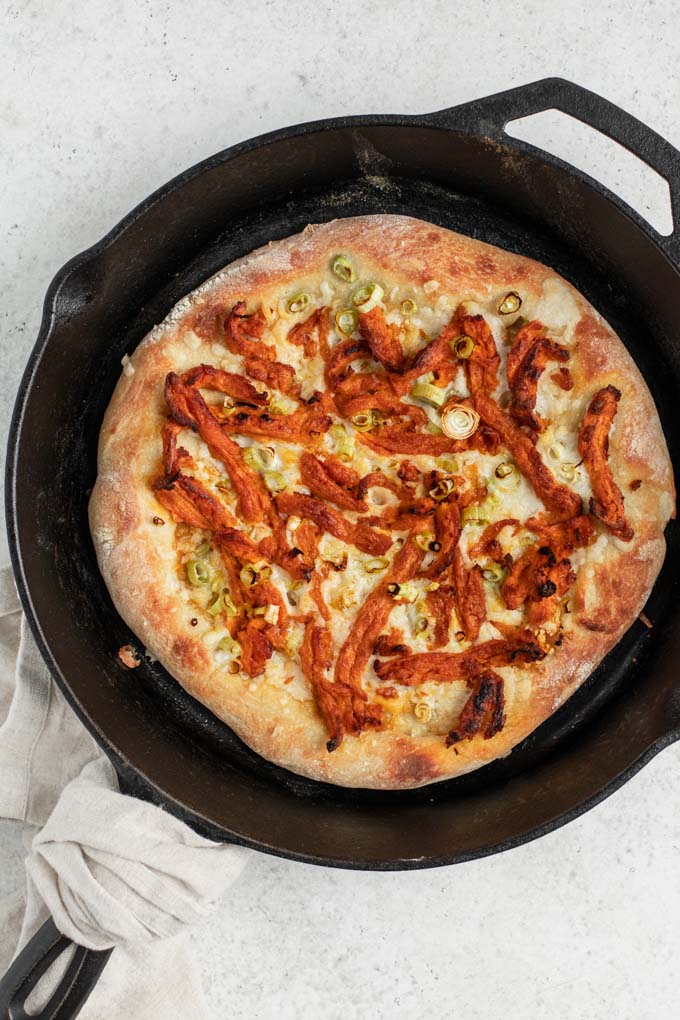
<point>381,497</point>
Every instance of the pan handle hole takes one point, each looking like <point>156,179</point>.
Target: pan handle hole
<point>602,158</point>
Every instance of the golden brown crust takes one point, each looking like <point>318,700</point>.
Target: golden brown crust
<point>137,557</point>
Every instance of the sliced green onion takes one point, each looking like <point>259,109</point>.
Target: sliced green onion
<point>420,625</point>
<point>459,421</point>
<point>347,320</point>
<point>293,643</point>
<point>424,540</point>
<point>260,457</point>
<point>203,549</point>
<point>463,346</point>
<point>494,573</point>
<point>433,429</point>
<point>258,610</point>
<point>343,268</point>
<point>271,614</point>
<point>227,644</point>
<point>344,443</point>
<point>441,490</point>
<point>449,465</point>
<point>251,573</point>
<point>338,561</point>
<point>422,711</point>
<point>363,421</point>
<point>513,328</point>
<point>506,476</point>
<point>199,573</point>
<point>367,296</point>
<point>474,515</point>
<point>373,566</point>
<point>430,394</point>
<point>345,598</point>
<point>512,302</point>
<point>299,302</point>
<point>278,405</point>
<point>432,586</point>
<point>407,592</point>
<point>409,307</point>
<point>274,481</point>
<point>222,603</point>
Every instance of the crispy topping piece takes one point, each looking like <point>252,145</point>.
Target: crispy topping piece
<point>483,363</point>
<point>371,620</point>
<point>243,334</point>
<point>344,708</point>
<point>303,426</point>
<point>555,496</point>
<point>448,530</point>
<point>440,605</point>
<point>593,443</point>
<point>317,475</point>
<point>327,519</point>
<point>312,334</point>
<point>236,386</point>
<point>484,711</point>
<point>488,545</point>
<point>524,386</point>
<point>445,667</point>
<point>383,340</point>
<point>470,597</point>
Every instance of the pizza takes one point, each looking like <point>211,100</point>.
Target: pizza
<point>381,497</point>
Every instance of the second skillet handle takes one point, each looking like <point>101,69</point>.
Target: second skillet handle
<point>72,991</point>
<point>490,115</point>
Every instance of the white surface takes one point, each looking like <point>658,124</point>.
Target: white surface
<point>102,102</point>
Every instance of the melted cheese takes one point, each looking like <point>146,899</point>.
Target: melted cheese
<point>346,591</point>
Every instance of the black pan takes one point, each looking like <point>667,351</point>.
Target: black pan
<point>458,168</point>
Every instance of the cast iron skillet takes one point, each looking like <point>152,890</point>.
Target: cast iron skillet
<point>458,168</point>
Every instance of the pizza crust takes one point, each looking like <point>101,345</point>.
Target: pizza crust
<point>138,560</point>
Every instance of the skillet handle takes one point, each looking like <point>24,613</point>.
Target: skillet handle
<point>74,988</point>
<point>490,115</point>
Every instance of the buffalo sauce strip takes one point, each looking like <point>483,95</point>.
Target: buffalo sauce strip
<point>593,443</point>
<point>356,650</point>
<point>556,496</point>
<point>444,667</point>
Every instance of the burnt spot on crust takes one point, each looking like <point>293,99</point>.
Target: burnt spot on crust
<point>486,265</point>
<point>189,652</point>
<point>593,345</point>
<point>412,768</point>
<point>208,322</point>
<point>599,598</point>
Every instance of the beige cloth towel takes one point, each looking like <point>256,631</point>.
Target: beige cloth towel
<point>110,869</point>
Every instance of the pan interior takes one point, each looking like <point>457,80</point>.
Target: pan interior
<point>166,745</point>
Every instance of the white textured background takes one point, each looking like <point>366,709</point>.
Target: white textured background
<point>102,102</point>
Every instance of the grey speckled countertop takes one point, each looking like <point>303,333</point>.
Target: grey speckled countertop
<point>100,103</point>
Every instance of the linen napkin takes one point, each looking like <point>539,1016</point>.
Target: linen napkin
<point>110,869</point>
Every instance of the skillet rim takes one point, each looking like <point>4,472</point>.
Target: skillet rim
<point>455,120</point>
